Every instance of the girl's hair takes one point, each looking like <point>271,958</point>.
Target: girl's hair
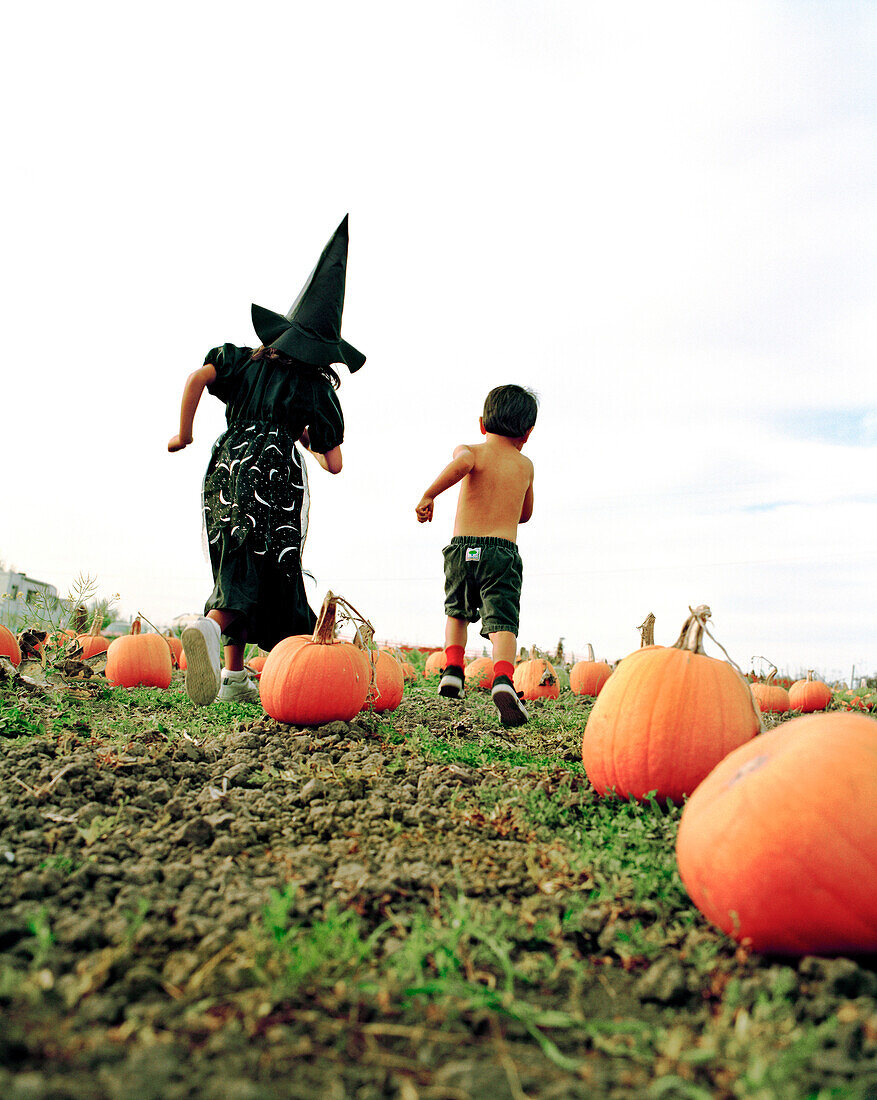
<point>284,360</point>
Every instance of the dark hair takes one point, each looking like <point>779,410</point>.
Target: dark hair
<point>284,360</point>
<point>510,411</point>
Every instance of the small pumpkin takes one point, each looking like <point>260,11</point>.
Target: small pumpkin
<point>809,695</point>
<point>137,659</point>
<point>61,637</point>
<point>256,664</point>
<point>777,845</point>
<point>409,672</point>
<point>588,677</point>
<point>772,698</point>
<point>479,673</point>
<point>9,646</point>
<point>536,679</point>
<point>309,683</point>
<point>93,643</point>
<point>666,717</point>
<point>389,682</point>
<point>435,664</point>
<point>176,647</point>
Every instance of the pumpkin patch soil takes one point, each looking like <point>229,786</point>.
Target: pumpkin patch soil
<point>210,904</point>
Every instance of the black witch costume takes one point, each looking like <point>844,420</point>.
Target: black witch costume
<point>255,496</point>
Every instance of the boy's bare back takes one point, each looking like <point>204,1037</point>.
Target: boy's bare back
<point>497,493</point>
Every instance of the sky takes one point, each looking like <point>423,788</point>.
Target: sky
<point>661,218</point>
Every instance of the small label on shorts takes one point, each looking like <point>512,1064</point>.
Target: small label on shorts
<point>473,553</point>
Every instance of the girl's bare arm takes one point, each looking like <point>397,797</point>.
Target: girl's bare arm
<point>192,391</point>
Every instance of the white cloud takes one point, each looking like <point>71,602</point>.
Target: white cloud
<point>662,219</point>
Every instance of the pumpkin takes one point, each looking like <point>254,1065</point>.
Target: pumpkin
<point>409,672</point>
<point>176,647</point>
<point>771,697</point>
<point>588,677</point>
<point>9,646</point>
<point>479,673</point>
<point>256,664</point>
<point>536,679</point>
<point>61,637</point>
<point>317,680</point>
<point>809,695</point>
<point>388,682</point>
<point>778,846</point>
<point>137,659</point>
<point>435,663</point>
<point>93,642</point>
<point>666,717</point>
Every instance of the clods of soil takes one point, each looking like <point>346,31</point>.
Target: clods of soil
<point>206,903</point>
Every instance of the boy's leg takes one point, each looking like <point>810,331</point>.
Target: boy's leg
<point>512,711</point>
<point>451,683</point>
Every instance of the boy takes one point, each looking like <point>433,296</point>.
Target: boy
<point>482,564</point>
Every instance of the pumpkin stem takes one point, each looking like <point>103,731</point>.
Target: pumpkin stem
<point>547,677</point>
<point>170,634</point>
<point>691,635</point>
<point>590,651</point>
<point>136,625</point>
<point>647,631</point>
<point>96,623</point>
<point>810,672</point>
<point>768,679</point>
<point>324,632</point>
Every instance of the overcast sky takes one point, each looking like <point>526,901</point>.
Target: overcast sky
<point>661,217</point>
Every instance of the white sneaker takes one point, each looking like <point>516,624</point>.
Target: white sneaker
<point>238,687</point>
<point>201,646</point>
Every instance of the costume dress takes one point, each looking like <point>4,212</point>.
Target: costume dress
<point>255,495</point>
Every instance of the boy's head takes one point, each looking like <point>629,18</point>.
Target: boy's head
<point>510,411</point>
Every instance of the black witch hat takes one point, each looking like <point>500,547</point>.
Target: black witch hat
<point>311,330</point>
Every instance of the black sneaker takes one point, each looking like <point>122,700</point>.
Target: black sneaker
<point>451,683</point>
<point>512,711</point>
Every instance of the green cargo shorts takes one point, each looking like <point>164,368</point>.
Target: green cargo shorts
<point>483,578</point>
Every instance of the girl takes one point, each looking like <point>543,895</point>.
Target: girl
<point>255,497</point>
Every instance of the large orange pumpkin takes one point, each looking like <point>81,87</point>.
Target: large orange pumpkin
<point>588,677</point>
<point>136,659</point>
<point>666,717</point>
<point>308,683</point>
<point>9,646</point>
<point>479,673</point>
<point>536,679</point>
<point>809,695</point>
<point>389,682</point>
<point>778,844</point>
<point>771,698</point>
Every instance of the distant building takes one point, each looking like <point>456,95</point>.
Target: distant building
<point>18,592</point>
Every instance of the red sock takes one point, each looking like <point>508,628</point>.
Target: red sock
<point>454,655</point>
<point>503,668</point>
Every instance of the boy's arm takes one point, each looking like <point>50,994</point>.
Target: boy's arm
<point>455,471</point>
<point>527,508</point>
<point>192,391</point>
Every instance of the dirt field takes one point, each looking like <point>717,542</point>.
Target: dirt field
<point>204,903</point>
